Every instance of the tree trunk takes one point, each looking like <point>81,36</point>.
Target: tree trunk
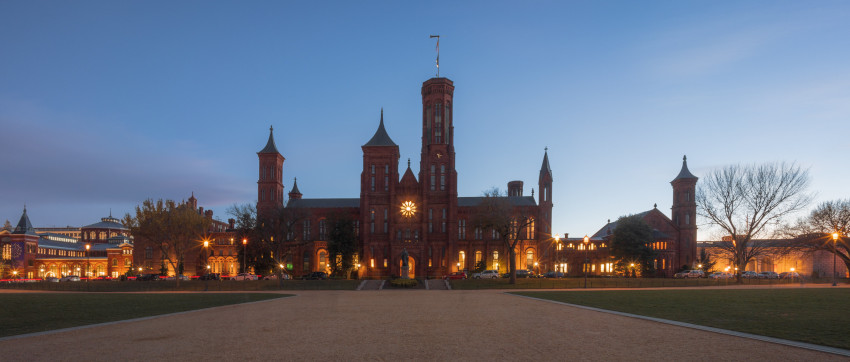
<point>512,264</point>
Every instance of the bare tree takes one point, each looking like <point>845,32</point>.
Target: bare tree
<point>174,228</point>
<point>273,236</point>
<point>497,212</point>
<point>814,232</point>
<point>746,202</point>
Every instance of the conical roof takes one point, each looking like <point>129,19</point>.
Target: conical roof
<point>544,168</point>
<point>684,173</point>
<point>270,146</point>
<point>381,138</point>
<point>24,225</point>
<point>295,187</point>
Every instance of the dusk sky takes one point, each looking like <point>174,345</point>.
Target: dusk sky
<point>106,104</point>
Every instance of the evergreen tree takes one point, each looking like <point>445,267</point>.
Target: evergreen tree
<point>630,244</point>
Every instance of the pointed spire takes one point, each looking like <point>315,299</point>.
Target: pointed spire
<point>684,173</point>
<point>295,186</point>
<point>295,194</point>
<point>270,146</point>
<point>544,168</point>
<point>381,138</point>
<point>24,225</point>
<point>408,162</point>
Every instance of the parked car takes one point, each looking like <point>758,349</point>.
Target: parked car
<point>70,278</point>
<point>696,273</point>
<point>315,276</point>
<point>789,275</point>
<point>552,274</point>
<point>102,278</point>
<point>487,274</point>
<point>210,276</point>
<point>769,275</point>
<point>147,277</point>
<point>181,276</point>
<point>720,275</point>
<point>274,277</point>
<point>245,276</point>
<point>524,273</point>
<point>682,274</point>
<point>51,279</point>
<point>455,275</point>
<point>749,274</point>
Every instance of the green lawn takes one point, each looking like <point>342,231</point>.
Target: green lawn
<point>193,285</point>
<point>816,316</point>
<point>36,312</point>
<point>576,282</point>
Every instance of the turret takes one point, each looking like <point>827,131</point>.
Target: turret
<point>684,213</point>
<point>270,179</point>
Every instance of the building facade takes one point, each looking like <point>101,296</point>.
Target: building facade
<point>417,212</point>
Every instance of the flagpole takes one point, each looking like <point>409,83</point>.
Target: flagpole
<point>438,53</point>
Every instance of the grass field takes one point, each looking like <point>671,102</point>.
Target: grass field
<point>36,312</point>
<point>194,285</point>
<point>573,282</point>
<point>813,315</point>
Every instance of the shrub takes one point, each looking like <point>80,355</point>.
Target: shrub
<point>404,283</point>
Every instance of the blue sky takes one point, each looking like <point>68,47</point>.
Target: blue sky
<point>105,104</point>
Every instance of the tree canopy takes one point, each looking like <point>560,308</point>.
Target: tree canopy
<point>630,244</point>
<point>496,212</point>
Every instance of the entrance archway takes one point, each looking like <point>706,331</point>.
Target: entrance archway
<point>411,263</point>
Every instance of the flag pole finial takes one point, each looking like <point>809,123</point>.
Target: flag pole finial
<point>438,53</point>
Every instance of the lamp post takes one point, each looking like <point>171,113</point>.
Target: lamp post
<point>88,263</point>
<point>207,255</point>
<point>586,241</point>
<point>244,255</point>
<point>834,251</point>
<point>555,256</point>
<point>631,269</point>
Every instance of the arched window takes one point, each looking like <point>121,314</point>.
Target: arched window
<point>306,261</point>
<point>323,259</point>
<point>114,262</point>
<point>529,259</point>
<point>461,258</point>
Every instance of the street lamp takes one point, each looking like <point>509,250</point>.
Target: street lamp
<point>834,251</point>
<point>88,262</point>
<point>586,241</point>
<point>207,254</point>
<point>244,255</point>
<point>555,254</point>
<point>631,268</point>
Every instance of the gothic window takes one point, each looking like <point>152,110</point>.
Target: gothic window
<point>373,169</point>
<point>307,229</point>
<point>687,219</point>
<point>461,229</point>
<point>114,262</point>
<point>407,234</point>
<point>442,177</point>
<point>478,256</point>
<point>433,184</point>
<point>372,221</point>
<point>529,259</point>
<point>398,234</point>
<point>373,184</point>
<point>149,252</point>
<point>478,233</point>
<point>386,221</point>
<point>545,193</point>
<point>322,229</point>
<point>530,229</point>
<point>430,221</point>
<point>443,227</point>
<point>416,234</point>
<point>438,123</point>
<point>306,261</point>
<point>386,177</point>
<point>687,196</point>
<point>461,258</point>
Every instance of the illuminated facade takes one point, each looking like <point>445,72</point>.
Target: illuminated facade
<point>420,213</point>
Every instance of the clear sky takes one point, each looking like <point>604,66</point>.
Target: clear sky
<point>105,104</point>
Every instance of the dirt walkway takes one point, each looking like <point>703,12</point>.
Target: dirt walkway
<point>396,325</point>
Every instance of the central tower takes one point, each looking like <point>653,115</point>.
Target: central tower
<point>437,175</point>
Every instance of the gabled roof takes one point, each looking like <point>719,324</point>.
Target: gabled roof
<point>381,138</point>
<point>684,173</point>
<point>24,225</point>
<point>608,229</point>
<point>323,203</point>
<point>514,200</point>
<point>270,146</point>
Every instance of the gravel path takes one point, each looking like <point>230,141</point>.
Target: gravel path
<point>396,325</point>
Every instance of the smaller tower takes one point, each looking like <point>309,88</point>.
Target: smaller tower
<point>270,182</point>
<point>544,185</point>
<point>193,203</point>
<point>684,213</point>
<point>515,188</point>
<point>295,194</point>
